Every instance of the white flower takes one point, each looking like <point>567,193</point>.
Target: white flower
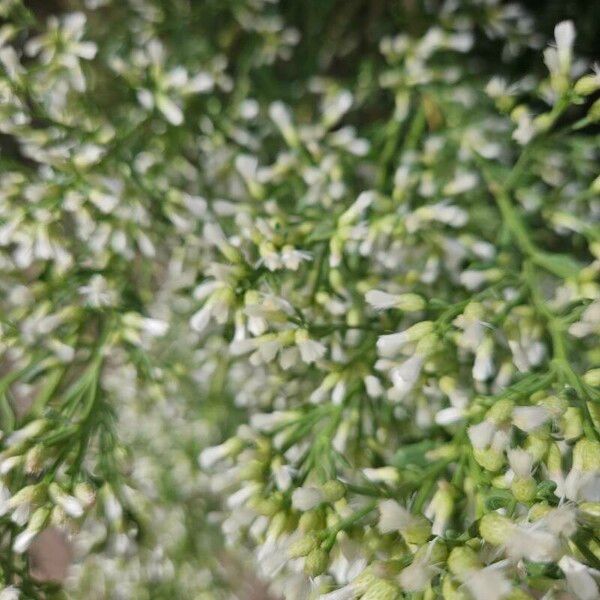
<point>533,543</point>
<point>489,583</point>
<point>310,350</point>
<point>405,377</point>
<point>10,592</point>
<point>521,462</point>
<point>579,578</point>
<point>23,541</point>
<point>389,345</point>
<point>307,497</point>
<point>564,34</point>
<point>71,505</point>
<point>483,366</point>
<point>481,435</point>
<point>530,418</point>
<point>381,300</point>
<point>393,517</point>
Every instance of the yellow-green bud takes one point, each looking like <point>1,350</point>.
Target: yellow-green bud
<point>592,377</point>
<point>495,528</point>
<point>462,560</point>
<point>381,590</point>
<point>267,507</point>
<point>278,524</point>
<point>594,113</point>
<point>311,520</point>
<point>518,594</point>
<point>586,455</point>
<point>557,404</point>
<point>586,85</point>
<point>410,302</point>
<point>523,488</point>
<point>537,446</point>
<point>418,530</point>
<point>333,490</point>
<point>436,551</point>
<point>304,545</point>
<point>590,512</point>
<point>572,423</point>
<point>489,459</point>
<point>554,459</point>
<point>451,590</point>
<point>316,562</point>
<point>501,411</point>
<point>427,344</point>
<point>539,511</point>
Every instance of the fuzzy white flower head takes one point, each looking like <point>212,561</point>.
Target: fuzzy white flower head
<point>580,578</point>
<point>307,498</point>
<point>530,418</point>
<point>392,516</point>
<point>489,583</point>
<point>521,462</point>
<point>481,435</point>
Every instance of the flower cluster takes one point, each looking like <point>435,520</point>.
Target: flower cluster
<point>367,271</point>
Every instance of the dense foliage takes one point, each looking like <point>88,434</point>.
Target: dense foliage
<point>313,287</point>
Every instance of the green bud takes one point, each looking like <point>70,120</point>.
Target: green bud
<point>333,490</point>
<point>463,559</point>
<point>304,545</point>
<point>316,562</point>
<point>495,528</point>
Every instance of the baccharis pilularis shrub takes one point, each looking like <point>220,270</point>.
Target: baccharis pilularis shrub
<point>323,276</point>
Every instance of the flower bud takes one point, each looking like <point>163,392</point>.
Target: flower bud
<point>523,488</point>
<point>586,85</point>
<point>382,589</point>
<point>572,423</point>
<point>495,528</point>
<point>586,455</point>
<point>489,459</point>
<point>462,560</point>
<point>417,531</point>
<point>592,377</point>
<point>590,513</point>
<point>594,112</point>
<point>316,562</point>
<point>501,411</point>
<point>312,520</point>
<point>333,490</point>
<point>304,545</point>
<point>451,590</point>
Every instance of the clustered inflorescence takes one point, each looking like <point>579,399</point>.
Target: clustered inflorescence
<point>367,269</point>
